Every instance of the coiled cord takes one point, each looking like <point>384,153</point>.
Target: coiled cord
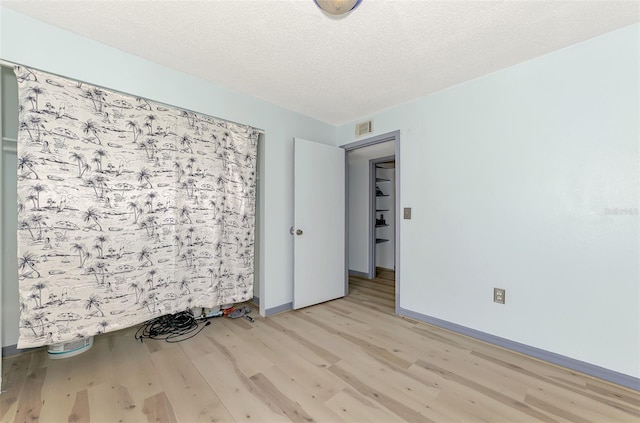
<point>171,327</point>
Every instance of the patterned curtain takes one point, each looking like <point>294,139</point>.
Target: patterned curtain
<point>127,209</point>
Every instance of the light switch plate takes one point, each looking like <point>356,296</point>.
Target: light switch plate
<point>407,212</point>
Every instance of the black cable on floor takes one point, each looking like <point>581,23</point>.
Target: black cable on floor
<point>171,328</point>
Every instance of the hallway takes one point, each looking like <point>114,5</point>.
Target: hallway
<point>377,293</point>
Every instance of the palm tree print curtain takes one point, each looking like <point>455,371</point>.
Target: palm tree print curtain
<point>127,209</point>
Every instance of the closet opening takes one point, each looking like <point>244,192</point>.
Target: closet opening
<point>372,222</point>
<point>382,222</point>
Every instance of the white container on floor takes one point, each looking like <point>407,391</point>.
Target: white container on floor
<point>69,349</point>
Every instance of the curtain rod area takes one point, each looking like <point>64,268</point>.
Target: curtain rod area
<point>7,64</point>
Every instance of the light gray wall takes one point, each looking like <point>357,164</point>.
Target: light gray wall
<point>10,301</point>
<point>527,179</point>
<point>358,220</point>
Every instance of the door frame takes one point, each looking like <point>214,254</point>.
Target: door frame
<point>389,136</point>
<point>2,141</point>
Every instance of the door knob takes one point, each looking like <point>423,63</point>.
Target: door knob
<point>298,231</point>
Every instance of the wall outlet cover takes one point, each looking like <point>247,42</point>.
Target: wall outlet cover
<point>499,295</point>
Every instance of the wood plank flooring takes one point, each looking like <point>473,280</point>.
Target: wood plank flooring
<point>348,360</point>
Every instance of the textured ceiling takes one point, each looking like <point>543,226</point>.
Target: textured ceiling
<point>288,52</point>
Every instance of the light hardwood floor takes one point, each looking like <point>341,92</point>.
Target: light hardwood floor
<point>348,360</point>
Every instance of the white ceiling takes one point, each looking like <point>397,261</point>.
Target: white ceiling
<point>288,52</point>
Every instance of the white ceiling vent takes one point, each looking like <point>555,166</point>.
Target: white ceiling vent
<point>364,128</point>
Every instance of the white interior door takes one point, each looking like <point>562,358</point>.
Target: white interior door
<point>319,223</point>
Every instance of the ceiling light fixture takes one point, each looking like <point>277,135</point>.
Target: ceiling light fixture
<point>337,7</point>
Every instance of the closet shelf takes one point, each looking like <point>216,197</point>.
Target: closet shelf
<point>381,240</point>
<point>383,195</point>
<point>382,180</point>
<point>381,210</point>
<point>381,226</point>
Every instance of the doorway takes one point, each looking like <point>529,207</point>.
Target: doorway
<point>372,216</point>
<point>382,194</point>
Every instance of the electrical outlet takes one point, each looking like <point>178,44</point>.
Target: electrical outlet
<point>498,295</point>
<point>407,213</point>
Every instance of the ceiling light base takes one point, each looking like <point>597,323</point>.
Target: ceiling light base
<point>337,7</point>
